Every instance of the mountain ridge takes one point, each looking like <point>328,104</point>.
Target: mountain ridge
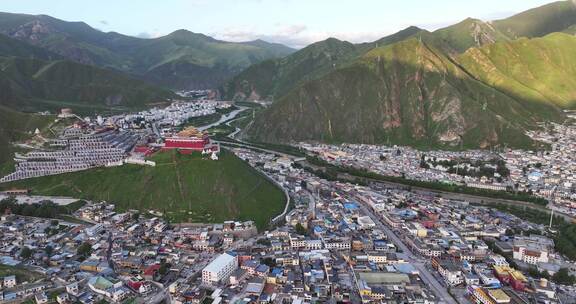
<point>184,53</point>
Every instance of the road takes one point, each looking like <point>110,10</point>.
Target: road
<point>223,118</point>
<point>418,263</point>
<point>31,199</point>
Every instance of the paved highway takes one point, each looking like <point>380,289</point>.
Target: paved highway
<point>418,263</point>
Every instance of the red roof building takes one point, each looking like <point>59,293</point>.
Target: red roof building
<point>190,140</point>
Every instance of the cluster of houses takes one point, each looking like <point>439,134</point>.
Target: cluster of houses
<point>407,162</point>
<point>176,114</point>
<point>458,240</point>
<point>550,171</point>
<point>338,242</point>
<point>78,149</point>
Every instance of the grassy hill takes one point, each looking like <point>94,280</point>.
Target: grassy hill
<point>539,70</point>
<point>274,78</point>
<point>472,84</point>
<point>184,187</point>
<point>179,60</point>
<point>469,33</point>
<point>408,93</point>
<point>30,84</point>
<point>540,21</point>
<point>16,126</point>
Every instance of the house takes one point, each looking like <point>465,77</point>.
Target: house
<point>9,281</point>
<point>62,298</point>
<point>41,298</point>
<point>451,273</point>
<point>72,289</point>
<point>151,272</point>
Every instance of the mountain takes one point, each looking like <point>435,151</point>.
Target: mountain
<point>183,58</point>
<point>179,60</point>
<point>407,93</point>
<point>15,48</point>
<point>274,78</point>
<point>472,84</point>
<point>468,33</point>
<point>538,70</point>
<point>28,84</point>
<point>540,21</point>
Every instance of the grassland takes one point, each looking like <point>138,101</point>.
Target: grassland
<point>16,126</point>
<point>186,188</point>
<point>20,273</point>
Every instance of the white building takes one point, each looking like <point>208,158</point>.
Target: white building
<point>220,269</point>
<point>9,281</point>
<point>530,251</point>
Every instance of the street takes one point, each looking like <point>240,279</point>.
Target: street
<point>417,262</point>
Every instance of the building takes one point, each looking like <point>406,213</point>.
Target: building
<point>113,289</point>
<point>488,296</point>
<point>511,276</point>
<point>530,250</point>
<point>190,140</point>
<point>41,298</point>
<point>9,281</point>
<point>220,269</point>
<point>451,273</point>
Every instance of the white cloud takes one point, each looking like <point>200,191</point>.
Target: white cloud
<point>296,35</point>
<point>150,35</point>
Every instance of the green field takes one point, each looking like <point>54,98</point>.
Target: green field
<point>186,188</point>
<point>16,126</point>
<point>20,273</point>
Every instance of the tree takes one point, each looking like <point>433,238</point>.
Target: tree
<point>26,253</point>
<point>54,223</point>
<point>49,250</point>
<point>268,261</point>
<point>264,242</point>
<point>84,250</point>
<point>164,267</point>
<point>300,229</point>
<point>564,277</point>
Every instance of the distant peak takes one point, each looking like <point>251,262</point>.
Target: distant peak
<point>412,28</point>
<point>333,39</point>
<point>181,32</point>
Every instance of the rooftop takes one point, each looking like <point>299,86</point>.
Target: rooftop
<point>221,261</point>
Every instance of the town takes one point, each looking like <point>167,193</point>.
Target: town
<point>547,173</point>
<point>336,241</point>
<point>339,243</point>
<point>116,140</point>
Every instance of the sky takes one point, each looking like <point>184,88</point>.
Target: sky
<point>295,23</point>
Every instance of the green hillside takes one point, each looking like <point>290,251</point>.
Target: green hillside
<point>32,85</point>
<point>184,187</point>
<point>13,47</point>
<point>469,33</point>
<point>406,93</point>
<point>539,70</point>
<point>179,60</point>
<point>540,21</point>
<point>472,84</point>
<point>16,126</point>
<point>274,78</point>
